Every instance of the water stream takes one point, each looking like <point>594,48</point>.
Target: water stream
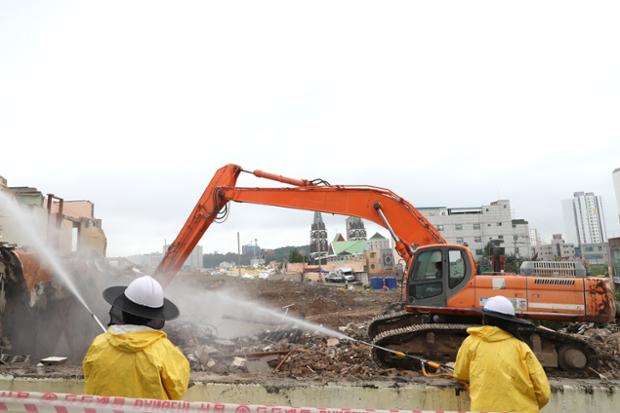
<point>47,257</point>
<point>275,315</point>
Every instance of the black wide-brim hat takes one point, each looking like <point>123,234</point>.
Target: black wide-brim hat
<point>117,298</point>
<point>507,317</point>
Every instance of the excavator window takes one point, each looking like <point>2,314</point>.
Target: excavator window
<point>427,278</point>
<point>457,272</point>
<point>437,273</point>
<point>429,266</point>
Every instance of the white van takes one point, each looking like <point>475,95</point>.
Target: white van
<point>347,273</point>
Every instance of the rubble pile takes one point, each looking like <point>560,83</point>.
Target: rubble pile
<point>606,340</point>
<point>274,346</point>
<point>332,358</point>
<point>284,352</point>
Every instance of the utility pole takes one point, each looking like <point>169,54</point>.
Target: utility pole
<point>238,254</point>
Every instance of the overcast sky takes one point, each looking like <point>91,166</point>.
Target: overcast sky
<point>134,105</point>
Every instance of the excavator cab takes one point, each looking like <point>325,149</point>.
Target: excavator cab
<point>438,272</point>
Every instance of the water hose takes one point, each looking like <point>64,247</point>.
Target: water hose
<point>444,369</point>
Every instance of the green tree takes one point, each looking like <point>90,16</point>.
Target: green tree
<point>295,256</point>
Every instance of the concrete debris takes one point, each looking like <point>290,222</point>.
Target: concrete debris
<point>289,352</point>
<point>53,360</point>
<point>332,342</point>
<point>14,360</point>
<point>606,340</point>
<point>239,362</point>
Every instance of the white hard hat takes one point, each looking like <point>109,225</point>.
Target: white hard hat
<point>143,297</point>
<point>146,291</point>
<point>502,308</point>
<point>500,304</point>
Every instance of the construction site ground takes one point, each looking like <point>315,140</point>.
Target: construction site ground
<point>274,350</point>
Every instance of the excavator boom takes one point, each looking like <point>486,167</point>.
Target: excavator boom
<point>379,205</point>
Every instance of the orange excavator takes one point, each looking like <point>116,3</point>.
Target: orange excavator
<point>442,291</point>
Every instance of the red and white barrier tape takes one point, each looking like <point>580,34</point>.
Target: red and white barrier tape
<point>31,402</point>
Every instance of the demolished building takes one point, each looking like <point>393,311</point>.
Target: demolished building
<point>69,226</point>
<point>36,310</point>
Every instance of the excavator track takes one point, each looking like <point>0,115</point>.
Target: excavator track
<point>440,342</point>
<point>390,321</point>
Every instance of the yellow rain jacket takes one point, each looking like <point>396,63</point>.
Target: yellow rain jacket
<point>503,372</point>
<point>135,361</point>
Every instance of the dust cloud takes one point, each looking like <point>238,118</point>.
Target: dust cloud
<point>228,313</point>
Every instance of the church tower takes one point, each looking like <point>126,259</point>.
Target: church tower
<point>355,229</point>
<point>318,237</point>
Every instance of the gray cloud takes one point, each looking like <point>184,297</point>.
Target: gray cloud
<point>446,105</point>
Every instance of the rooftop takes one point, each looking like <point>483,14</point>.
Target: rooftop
<point>349,247</point>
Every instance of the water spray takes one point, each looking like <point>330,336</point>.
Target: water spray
<point>45,253</point>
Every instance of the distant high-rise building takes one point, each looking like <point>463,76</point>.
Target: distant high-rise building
<point>251,249</point>
<point>616,176</point>
<point>318,237</point>
<point>355,229</point>
<point>535,238</point>
<point>193,261</point>
<point>584,219</point>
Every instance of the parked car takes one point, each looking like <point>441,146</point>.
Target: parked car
<point>334,277</point>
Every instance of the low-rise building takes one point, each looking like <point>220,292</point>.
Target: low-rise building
<point>225,265</point>
<point>378,242</point>
<point>476,226</point>
<point>340,250</point>
<point>557,250</point>
<point>380,262</point>
<point>595,253</point>
<point>614,256</point>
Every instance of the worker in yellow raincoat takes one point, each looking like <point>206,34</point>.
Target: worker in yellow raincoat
<point>503,372</point>
<point>134,358</point>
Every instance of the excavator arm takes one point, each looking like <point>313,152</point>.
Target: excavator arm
<point>405,223</point>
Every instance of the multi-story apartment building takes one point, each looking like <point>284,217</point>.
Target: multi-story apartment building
<point>476,226</point>
<point>584,219</point>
